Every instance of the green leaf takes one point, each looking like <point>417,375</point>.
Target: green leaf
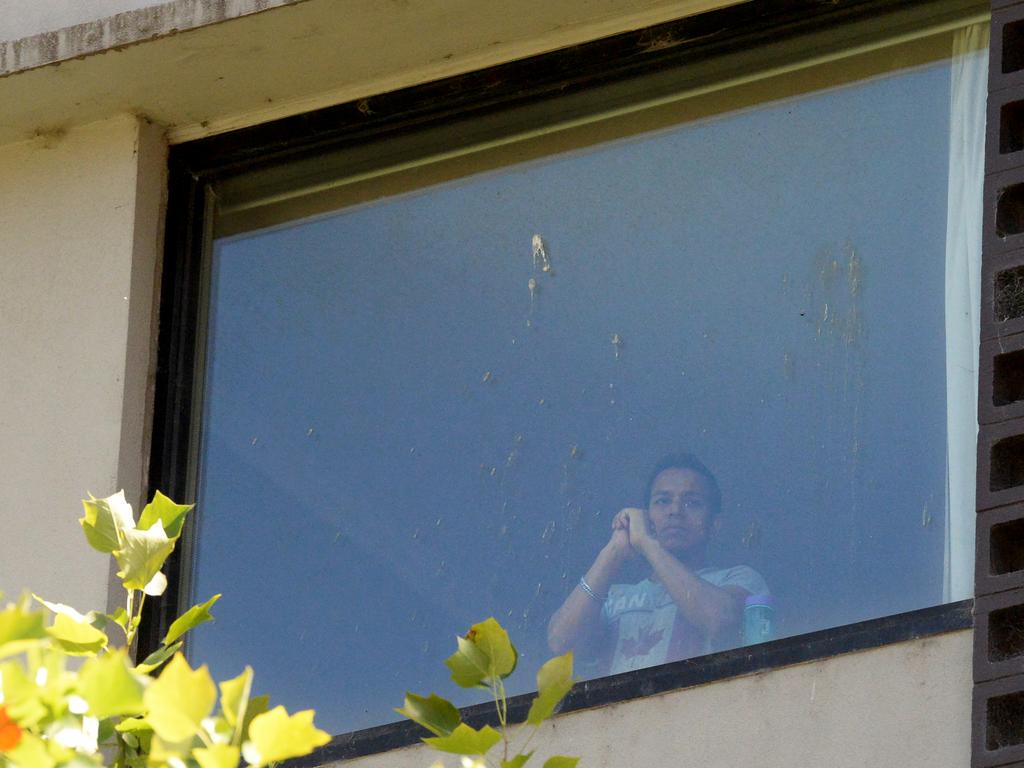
<point>469,665</point>
<point>31,752</point>
<point>234,693</point>
<point>21,696</point>
<point>19,623</point>
<point>76,638</point>
<point>437,715</point>
<point>119,617</point>
<point>142,556</point>
<point>485,654</point>
<point>276,735</point>
<point>491,638</point>
<point>554,681</point>
<point>179,699</point>
<point>133,725</point>
<point>108,685</point>
<point>561,761</point>
<point>257,706</point>
<point>158,657</point>
<point>190,619</point>
<point>464,740</point>
<point>93,618</point>
<point>518,761</point>
<point>170,515</point>
<point>105,519</point>
<point>217,756</point>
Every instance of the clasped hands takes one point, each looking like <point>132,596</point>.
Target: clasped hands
<point>631,533</point>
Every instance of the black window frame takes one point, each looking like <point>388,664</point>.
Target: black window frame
<point>194,168</point>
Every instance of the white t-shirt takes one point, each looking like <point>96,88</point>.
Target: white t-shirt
<point>645,624</point>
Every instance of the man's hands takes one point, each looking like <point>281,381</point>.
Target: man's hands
<point>631,533</point>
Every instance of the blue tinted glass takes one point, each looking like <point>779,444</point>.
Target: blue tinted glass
<point>430,409</point>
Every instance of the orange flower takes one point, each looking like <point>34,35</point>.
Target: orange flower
<point>10,733</point>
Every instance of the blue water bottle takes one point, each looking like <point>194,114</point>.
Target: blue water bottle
<point>758,619</point>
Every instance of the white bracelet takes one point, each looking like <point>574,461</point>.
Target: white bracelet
<point>586,588</point>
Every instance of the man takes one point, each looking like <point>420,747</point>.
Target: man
<point>685,607</point>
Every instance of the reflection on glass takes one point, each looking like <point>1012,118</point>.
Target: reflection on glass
<point>444,405</point>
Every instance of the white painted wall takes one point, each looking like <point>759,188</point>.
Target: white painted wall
<point>79,230</point>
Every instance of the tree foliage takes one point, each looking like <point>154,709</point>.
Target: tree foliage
<point>110,711</point>
<point>484,658</point>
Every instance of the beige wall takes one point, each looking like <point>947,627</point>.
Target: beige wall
<point>905,705</point>
<point>79,217</point>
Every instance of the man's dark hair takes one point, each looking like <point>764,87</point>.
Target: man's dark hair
<point>688,461</point>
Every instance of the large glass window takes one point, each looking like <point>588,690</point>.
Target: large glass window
<point>431,391</point>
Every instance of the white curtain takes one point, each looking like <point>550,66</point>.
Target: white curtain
<point>963,300</point>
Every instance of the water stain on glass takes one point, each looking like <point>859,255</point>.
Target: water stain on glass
<point>855,273</point>
<point>531,284</point>
<point>549,531</point>
<point>310,432</point>
<point>488,376</point>
<point>541,260</point>
<point>617,344</point>
<point>752,536</point>
<point>255,440</point>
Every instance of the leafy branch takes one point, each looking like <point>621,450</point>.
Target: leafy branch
<point>484,658</point>
<point>109,711</point>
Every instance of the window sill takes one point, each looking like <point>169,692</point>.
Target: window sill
<point>679,675</point>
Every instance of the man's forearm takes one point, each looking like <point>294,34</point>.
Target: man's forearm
<point>580,614</point>
<point>710,608</point>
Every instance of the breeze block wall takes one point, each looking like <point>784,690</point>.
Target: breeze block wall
<point>998,730</point>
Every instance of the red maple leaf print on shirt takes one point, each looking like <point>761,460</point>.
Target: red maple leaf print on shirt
<point>646,638</point>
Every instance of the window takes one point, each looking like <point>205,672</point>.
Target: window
<point>434,366</point>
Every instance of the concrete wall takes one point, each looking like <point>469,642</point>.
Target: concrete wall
<point>79,235</point>
<point>904,705</point>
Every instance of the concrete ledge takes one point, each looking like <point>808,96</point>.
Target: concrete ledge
<point>123,29</point>
<point>197,70</point>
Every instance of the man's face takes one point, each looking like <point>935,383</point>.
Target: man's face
<point>680,511</point>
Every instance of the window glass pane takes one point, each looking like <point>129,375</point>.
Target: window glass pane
<point>430,408</point>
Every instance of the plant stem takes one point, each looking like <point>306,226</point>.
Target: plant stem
<point>134,616</point>
<point>129,633</point>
